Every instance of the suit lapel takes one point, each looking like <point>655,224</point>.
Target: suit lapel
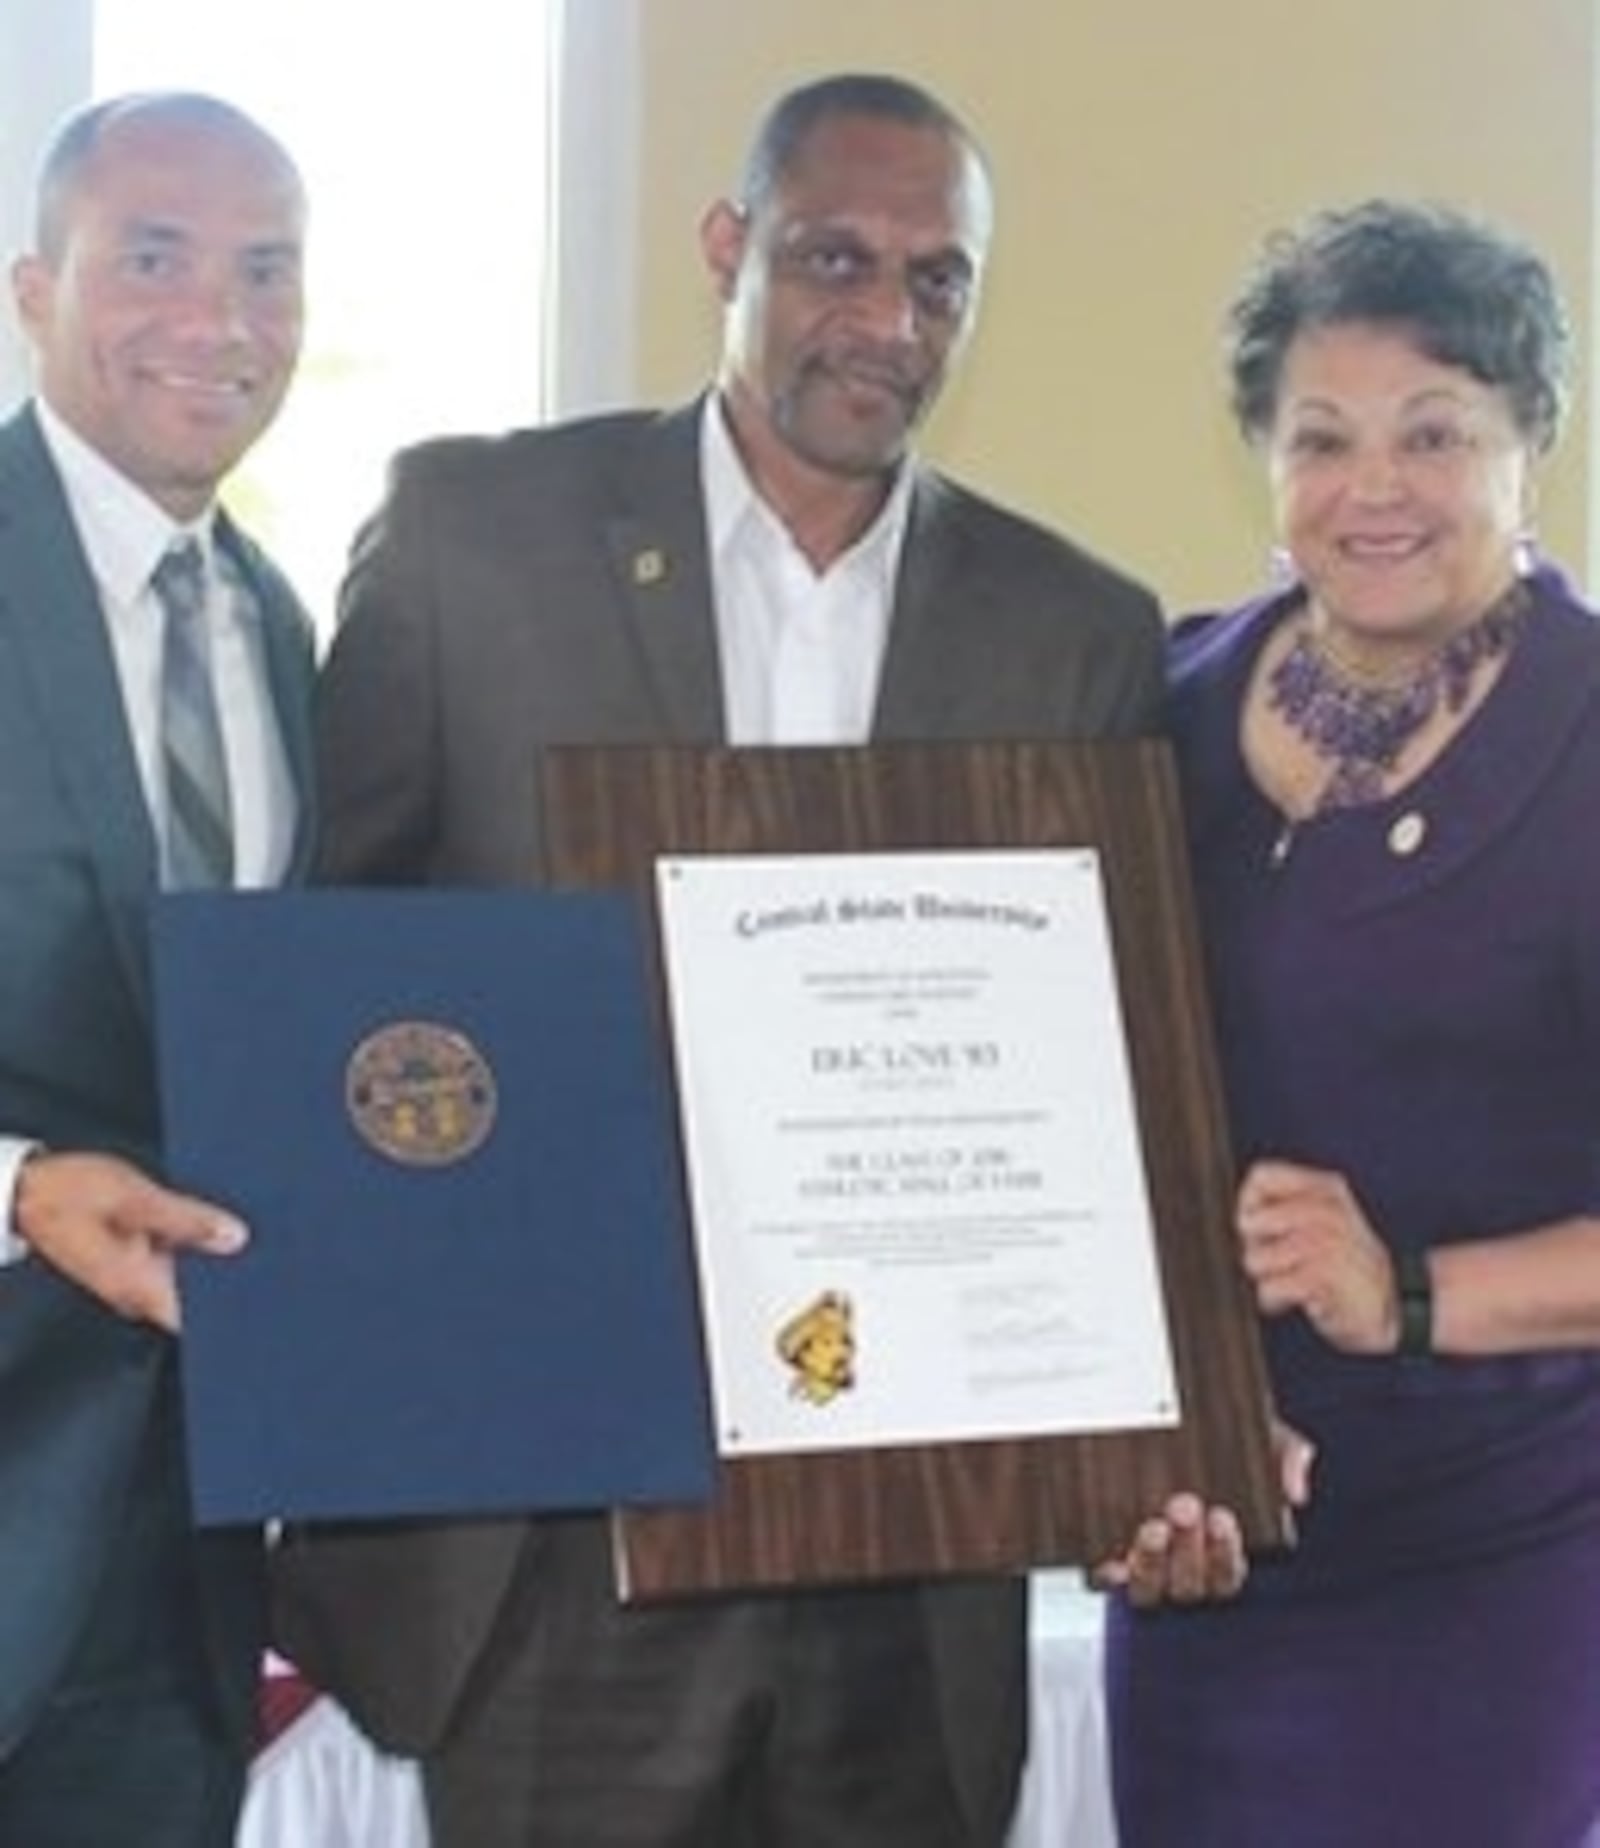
<point>658,552</point>
<point>922,682</point>
<point>289,672</point>
<point>51,609</point>
<point>934,660</point>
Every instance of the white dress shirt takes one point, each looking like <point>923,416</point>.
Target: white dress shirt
<point>801,650</point>
<point>124,536</point>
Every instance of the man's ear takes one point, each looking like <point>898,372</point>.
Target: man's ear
<point>724,232</point>
<point>31,289</point>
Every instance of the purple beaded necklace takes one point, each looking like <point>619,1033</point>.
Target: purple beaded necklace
<point>1361,726</point>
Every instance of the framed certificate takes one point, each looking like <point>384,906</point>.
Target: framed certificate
<point>953,1149</point>
<point>916,1182</point>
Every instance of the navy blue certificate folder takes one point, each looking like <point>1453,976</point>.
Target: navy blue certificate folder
<point>447,1119</point>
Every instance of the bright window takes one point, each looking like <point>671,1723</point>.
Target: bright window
<point>424,134</point>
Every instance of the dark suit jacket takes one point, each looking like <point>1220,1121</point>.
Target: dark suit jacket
<point>78,1385</point>
<point>554,587</point>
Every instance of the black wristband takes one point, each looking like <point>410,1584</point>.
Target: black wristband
<point>1414,1291</point>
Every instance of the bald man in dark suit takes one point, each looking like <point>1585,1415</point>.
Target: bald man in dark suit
<point>767,566</point>
<point>162,299</point>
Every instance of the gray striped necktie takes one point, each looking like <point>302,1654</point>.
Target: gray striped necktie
<point>199,814</point>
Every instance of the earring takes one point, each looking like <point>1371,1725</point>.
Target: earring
<point>1525,543</point>
<point>1281,568</point>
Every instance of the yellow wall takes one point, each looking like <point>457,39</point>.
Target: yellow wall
<point>1141,148</point>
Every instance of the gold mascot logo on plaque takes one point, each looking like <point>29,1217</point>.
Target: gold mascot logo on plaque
<point>420,1093</point>
<point>819,1347</point>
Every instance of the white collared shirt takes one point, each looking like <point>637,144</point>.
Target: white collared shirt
<point>124,535</point>
<point>801,651</point>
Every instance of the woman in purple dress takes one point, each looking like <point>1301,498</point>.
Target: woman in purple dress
<point>1392,773</point>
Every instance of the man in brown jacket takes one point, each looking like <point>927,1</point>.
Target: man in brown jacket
<point>767,566</point>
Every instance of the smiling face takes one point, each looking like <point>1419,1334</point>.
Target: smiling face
<point>165,304</point>
<point>1401,486</point>
<point>848,292</point>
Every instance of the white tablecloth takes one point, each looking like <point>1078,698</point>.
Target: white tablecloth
<point>321,1785</point>
<point>1066,1794</point>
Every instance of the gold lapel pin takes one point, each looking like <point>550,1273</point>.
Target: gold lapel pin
<point>649,566</point>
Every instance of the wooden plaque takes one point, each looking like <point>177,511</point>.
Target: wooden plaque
<point>972,1507</point>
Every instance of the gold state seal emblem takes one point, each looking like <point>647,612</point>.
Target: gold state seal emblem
<point>420,1093</point>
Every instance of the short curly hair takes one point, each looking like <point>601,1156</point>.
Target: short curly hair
<point>1468,294</point>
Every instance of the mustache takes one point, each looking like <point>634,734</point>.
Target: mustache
<point>881,370</point>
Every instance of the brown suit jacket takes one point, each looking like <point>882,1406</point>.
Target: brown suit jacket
<point>553,587</point>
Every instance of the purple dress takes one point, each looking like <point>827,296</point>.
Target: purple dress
<point>1408,992</point>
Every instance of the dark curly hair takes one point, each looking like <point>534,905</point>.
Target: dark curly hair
<point>1469,295</point>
